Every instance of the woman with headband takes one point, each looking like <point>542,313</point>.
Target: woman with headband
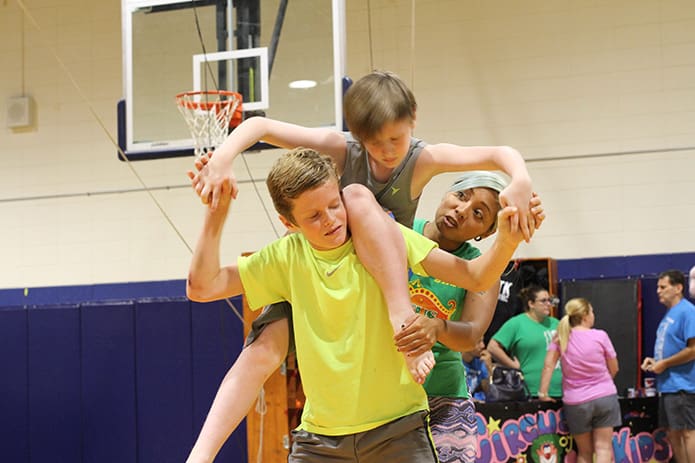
<point>452,317</point>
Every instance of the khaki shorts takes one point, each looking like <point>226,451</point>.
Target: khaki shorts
<point>405,440</point>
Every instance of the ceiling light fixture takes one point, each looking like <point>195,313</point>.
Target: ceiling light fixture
<point>302,84</point>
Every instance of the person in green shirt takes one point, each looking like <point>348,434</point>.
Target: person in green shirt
<point>456,318</point>
<point>523,340</point>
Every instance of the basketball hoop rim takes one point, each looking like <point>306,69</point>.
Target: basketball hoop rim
<point>183,99</point>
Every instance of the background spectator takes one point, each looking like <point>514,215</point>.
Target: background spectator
<point>523,340</point>
<point>478,365</point>
<point>589,364</point>
<point>674,365</point>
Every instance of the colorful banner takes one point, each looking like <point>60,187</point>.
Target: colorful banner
<point>536,432</point>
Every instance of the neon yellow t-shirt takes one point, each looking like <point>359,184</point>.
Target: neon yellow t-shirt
<point>353,377</point>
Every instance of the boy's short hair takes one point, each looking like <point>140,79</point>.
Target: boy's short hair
<point>295,172</point>
<point>377,99</point>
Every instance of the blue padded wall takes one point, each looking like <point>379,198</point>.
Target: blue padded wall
<point>14,397</point>
<point>53,295</point>
<point>163,380</point>
<point>119,381</point>
<point>214,353</point>
<point>55,423</point>
<point>623,266</point>
<point>108,382</point>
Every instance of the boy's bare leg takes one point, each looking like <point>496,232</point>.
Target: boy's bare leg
<point>380,246</point>
<point>239,389</point>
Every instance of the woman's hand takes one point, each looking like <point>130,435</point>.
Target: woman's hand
<point>418,334</point>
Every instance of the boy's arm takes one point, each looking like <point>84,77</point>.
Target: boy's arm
<point>420,333</point>
<point>481,273</point>
<point>445,157</point>
<point>216,171</point>
<point>207,280</point>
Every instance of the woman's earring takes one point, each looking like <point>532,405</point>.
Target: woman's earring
<point>478,238</point>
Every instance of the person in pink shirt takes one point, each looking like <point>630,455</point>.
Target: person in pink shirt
<point>589,364</point>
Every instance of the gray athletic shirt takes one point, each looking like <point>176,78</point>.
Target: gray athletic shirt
<point>394,195</point>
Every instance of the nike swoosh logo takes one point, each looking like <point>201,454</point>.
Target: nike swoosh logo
<point>394,190</point>
<point>332,271</point>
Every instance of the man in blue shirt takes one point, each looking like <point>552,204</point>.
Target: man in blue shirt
<point>674,366</point>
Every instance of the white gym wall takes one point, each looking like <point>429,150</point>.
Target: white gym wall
<point>579,79</point>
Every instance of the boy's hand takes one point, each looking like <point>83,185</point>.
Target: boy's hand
<point>211,181</point>
<point>519,194</point>
<point>224,189</point>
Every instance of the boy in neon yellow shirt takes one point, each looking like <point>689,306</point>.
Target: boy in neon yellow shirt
<point>357,386</point>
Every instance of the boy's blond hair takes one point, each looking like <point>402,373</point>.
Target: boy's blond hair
<point>377,99</point>
<point>295,172</point>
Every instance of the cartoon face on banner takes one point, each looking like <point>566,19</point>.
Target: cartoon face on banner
<point>546,449</point>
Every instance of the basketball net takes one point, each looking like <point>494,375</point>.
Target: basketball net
<point>209,115</point>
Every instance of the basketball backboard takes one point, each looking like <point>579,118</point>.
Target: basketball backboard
<point>286,58</point>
